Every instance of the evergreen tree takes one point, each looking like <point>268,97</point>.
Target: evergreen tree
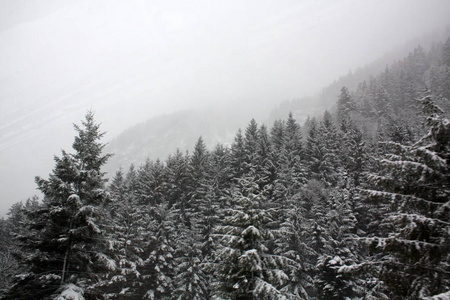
<point>160,262</point>
<point>414,182</point>
<point>277,137</point>
<point>292,244</point>
<point>314,151</point>
<point>322,151</point>
<point>354,153</point>
<point>117,186</point>
<point>345,104</point>
<point>176,183</point>
<point>8,264</point>
<point>341,249</point>
<point>238,156</point>
<point>199,160</point>
<point>244,267</point>
<point>64,235</point>
<point>10,252</point>
<point>191,279</point>
<point>293,167</point>
<point>129,227</point>
<point>146,184</point>
<point>266,172</point>
<point>199,165</point>
<point>220,168</point>
<point>250,147</point>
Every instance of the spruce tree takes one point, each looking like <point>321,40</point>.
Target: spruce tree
<point>191,278</point>
<point>244,266</point>
<point>64,237</point>
<point>160,262</point>
<point>129,233</point>
<point>413,180</point>
<point>345,104</point>
<point>238,156</point>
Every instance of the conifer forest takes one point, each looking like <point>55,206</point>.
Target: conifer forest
<point>351,204</point>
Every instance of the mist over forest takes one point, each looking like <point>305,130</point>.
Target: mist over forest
<point>250,159</point>
<point>134,61</point>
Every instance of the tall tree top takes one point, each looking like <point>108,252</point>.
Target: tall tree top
<point>87,146</point>
<point>78,173</point>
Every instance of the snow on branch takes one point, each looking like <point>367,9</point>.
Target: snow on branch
<point>397,196</point>
<point>268,290</point>
<point>110,263</point>
<point>71,292</point>
<point>422,219</point>
<point>396,241</point>
<point>443,296</point>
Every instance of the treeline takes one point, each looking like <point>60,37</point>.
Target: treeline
<point>352,205</point>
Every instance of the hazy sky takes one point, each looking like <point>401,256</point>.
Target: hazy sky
<point>130,60</point>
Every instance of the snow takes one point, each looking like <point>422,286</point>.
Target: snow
<point>423,219</point>
<point>252,257</point>
<point>351,268</point>
<point>336,261</point>
<point>49,277</point>
<point>251,230</point>
<point>264,288</point>
<point>110,263</point>
<point>394,196</point>
<point>93,226</point>
<point>150,294</point>
<point>71,292</point>
<point>443,296</point>
<point>74,198</point>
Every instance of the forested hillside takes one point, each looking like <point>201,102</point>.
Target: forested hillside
<point>352,205</point>
<point>160,136</point>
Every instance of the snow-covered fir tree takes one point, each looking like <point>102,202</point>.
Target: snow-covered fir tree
<point>244,266</point>
<point>413,180</point>
<point>129,226</point>
<point>64,242</point>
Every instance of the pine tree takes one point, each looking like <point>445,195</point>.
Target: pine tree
<point>64,233</point>
<point>199,165</point>
<point>244,267</point>
<point>199,160</point>
<point>354,152</point>
<point>145,184</point>
<point>293,167</point>
<point>341,249</point>
<point>322,149</point>
<point>307,224</point>
<point>10,252</point>
<point>250,147</point>
<point>265,164</point>
<point>160,262</point>
<point>117,186</point>
<point>8,264</point>
<point>238,156</point>
<point>129,233</point>
<point>191,279</point>
<point>292,244</point>
<point>345,104</point>
<point>176,183</point>
<point>277,138</point>
<point>330,138</point>
<point>414,182</point>
<point>314,151</point>
<point>220,168</point>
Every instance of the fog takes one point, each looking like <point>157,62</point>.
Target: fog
<point>133,60</point>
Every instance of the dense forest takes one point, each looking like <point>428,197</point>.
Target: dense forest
<point>354,204</point>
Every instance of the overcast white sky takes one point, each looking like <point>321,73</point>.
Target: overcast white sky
<point>133,59</point>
